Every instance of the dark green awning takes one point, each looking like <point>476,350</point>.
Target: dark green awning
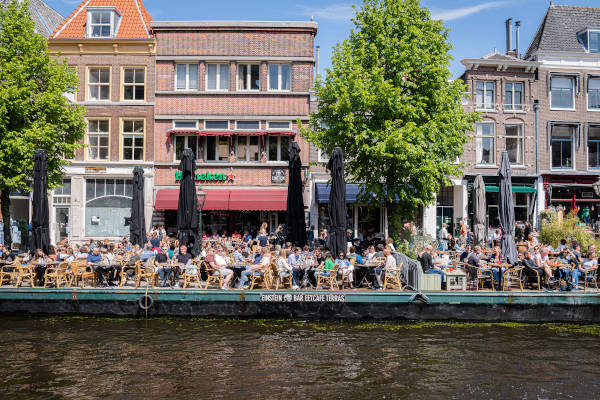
<point>515,189</point>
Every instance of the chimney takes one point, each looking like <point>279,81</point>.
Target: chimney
<point>518,26</point>
<point>317,61</point>
<point>509,35</point>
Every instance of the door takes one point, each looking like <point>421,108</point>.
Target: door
<point>62,223</point>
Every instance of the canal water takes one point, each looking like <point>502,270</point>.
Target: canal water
<point>90,358</point>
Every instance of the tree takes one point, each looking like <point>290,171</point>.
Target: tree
<point>389,103</point>
<point>34,111</point>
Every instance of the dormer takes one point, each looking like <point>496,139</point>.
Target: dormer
<point>102,22</point>
<point>590,39</point>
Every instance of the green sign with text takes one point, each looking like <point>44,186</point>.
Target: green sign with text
<point>207,176</point>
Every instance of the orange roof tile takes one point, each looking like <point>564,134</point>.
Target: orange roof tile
<point>135,20</point>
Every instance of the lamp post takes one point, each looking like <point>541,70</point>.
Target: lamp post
<point>201,199</point>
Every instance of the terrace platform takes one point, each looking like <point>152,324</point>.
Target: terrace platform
<point>518,306</point>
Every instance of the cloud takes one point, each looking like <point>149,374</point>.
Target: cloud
<point>333,12</point>
<point>457,13</point>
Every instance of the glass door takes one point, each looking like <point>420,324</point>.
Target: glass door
<point>62,223</point>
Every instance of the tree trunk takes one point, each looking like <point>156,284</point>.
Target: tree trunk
<point>5,204</point>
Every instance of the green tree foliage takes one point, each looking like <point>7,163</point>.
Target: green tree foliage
<point>389,103</point>
<point>34,112</point>
<point>569,227</point>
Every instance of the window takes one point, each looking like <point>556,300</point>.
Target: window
<point>185,142</point>
<point>216,125</point>
<point>485,95</point>
<point>594,146</point>
<point>284,125</point>
<point>248,125</point>
<point>248,77</point>
<point>593,92</point>
<point>62,194</point>
<point>133,139</point>
<point>562,146</point>
<point>514,143</point>
<point>513,96</point>
<point>562,93</point>
<point>217,148</point>
<point>322,156</point>
<point>278,148</point>
<point>107,207</point>
<point>486,143</point>
<point>97,136</point>
<point>248,148</point>
<point>280,76</point>
<point>217,77</point>
<point>99,84</point>
<point>100,24</point>
<point>186,76</point>
<point>133,83</point>
<point>590,41</point>
<point>185,124</point>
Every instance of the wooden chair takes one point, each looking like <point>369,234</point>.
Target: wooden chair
<point>8,273</point>
<point>345,278</point>
<point>211,279</point>
<point>483,276</point>
<point>189,277</point>
<point>531,276</point>
<point>278,278</point>
<point>25,273</point>
<point>510,276</point>
<point>392,276</point>
<point>80,272</point>
<point>266,279</point>
<point>125,277</point>
<point>145,273</point>
<point>330,280</point>
<point>590,276</point>
<point>56,275</point>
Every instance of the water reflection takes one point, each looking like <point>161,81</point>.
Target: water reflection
<point>87,358</point>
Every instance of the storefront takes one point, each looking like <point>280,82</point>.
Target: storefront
<point>574,193</point>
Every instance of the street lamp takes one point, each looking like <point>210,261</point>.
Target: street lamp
<point>596,187</point>
<point>201,194</point>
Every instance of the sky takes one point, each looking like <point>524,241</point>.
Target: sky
<point>476,26</point>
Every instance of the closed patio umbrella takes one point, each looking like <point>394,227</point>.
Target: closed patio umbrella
<point>187,207</point>
<point>337,203</point>
<point>296,227</point>
<point>506,213</point>
<point>40,221</point>
<point>137,224</point>
<point>479,210</point>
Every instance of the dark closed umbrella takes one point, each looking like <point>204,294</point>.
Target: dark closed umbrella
<point>40,221</point>
<point>296,226</point>
<point>506,213</point>
<point>479,210</point>
<point>337,203</point>
<point>137,224</point>
<point>187,207</point>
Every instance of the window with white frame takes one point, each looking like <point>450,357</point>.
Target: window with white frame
<point>562,146</point>
<point>133,139</point>
<point>217,76</point>
<point>101,23</point>
<point>280,77</point>
<point>185,125</point>
<point>134,84</point>
<point>485,95</point>
<point>322,156</point>
<point>514,143</point>
<point>185,142</point>
<point>248,148</point>
<point>513,96</point>
<point>486,143</point>
<point>593,93</point>
<point>278,148</point>
<point>186,76</point>
<point>99,84</point>
<point>590,39</point>
<point>283,125</point>
<point>216,125</point>
<point>62,194</point>
<point>247,125</point>
<point>97,139</point>
<point>248,76</point>
<point>594,146</point>
<point>216,148</point>
<point>562,92</point>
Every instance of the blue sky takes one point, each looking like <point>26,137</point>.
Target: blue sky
<point>476,26</point>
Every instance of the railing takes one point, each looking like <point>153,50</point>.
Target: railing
<point>411,272</point>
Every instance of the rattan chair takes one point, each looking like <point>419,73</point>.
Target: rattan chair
<point>279,278</point>
<point>146,273</point>
<point>392,276</point>
<point>56,275</point>
<point>25,274</point>
<point>8,274</point>
<point>80,272</point>
<point>189,277</point>
<point>484,276</point>
<point>330,280</point>
<point>590,275</point>
<point>211,279</point>
<point>510,276</point>
<point>125,277</point>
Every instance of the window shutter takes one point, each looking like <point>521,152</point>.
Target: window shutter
<point>585,132</point>
<point>578,135</point>
<point>548,82</point>
<point>577,78</point>
<point>548,135</point>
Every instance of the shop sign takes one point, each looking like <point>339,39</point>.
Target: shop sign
<point>277,176</point>
<point>208,177</point>
<point>94,170</point>
<point>302,298</point>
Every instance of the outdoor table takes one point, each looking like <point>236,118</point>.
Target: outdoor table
<point>362,272</point>
<point>456,279</point>
<point>174,269</point>
<point>100,269</point>
<point>237,269</point>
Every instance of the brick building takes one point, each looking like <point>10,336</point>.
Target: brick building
<point>233,92</point>
<point>111,47</point>
<point>567,49</point>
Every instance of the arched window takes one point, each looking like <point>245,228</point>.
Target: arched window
<point>107,207</point>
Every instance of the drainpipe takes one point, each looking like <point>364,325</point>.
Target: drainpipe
<point>318,62</point>
<point>536,109</point>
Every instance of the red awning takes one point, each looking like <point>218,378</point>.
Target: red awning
<point>258,200</point>
<point>229,199</point>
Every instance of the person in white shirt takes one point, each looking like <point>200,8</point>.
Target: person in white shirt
<point>221,264</point>
<point>390,265</point>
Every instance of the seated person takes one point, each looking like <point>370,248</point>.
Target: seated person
<point>257,269</point>
<point>326,266</point>
<point>345,267</point>
<point>147,253</point>
<point>562,246</point>
<point>184,258</point>
<point>294,262</point>
<point>164,272</point>
<point>390,265</point>
<point>220,265</point>
<point>590,261</point>
<point>426,260</point>
<point>283,268</point>
<point>464,256</point>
